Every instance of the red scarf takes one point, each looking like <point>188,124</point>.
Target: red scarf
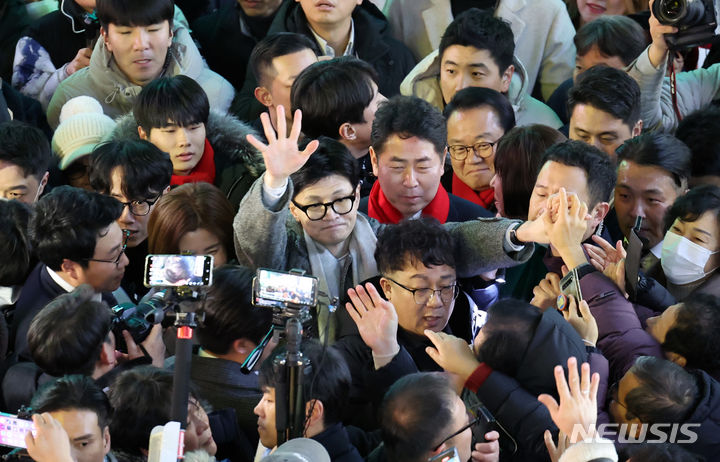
<point>486,197</point>
<point>204,171</point>
<point>380,208</point>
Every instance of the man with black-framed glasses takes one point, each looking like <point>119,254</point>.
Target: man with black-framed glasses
<point>77,239</point>
<point>137,174</point>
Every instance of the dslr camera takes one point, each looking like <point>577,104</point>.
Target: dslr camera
<point>696,21</point>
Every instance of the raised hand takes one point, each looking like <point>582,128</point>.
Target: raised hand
<point>375,318</point>
<point>281,155</point>
<point>566,225</point>
<point>578,401</point>
<point>658,48</point>
<point>580,317</point>
<point>608,259</point>
<point>545,294</point>
<point>50,443</point>
<point>452,354</point>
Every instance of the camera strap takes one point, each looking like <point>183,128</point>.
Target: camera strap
<point>673,88</point>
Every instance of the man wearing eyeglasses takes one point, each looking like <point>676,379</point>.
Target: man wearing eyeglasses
<point>137,174</point>
<point>476,120</point>
<point>78,241</point>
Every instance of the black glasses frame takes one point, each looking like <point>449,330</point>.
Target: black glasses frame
<point>126,236</point>
<point>331,204</point>
<point>473,147</point>
<point>456,291</point>
<point>149,203</point>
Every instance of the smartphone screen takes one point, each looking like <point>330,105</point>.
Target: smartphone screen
<point>13,430</point>
<point>276,288</point>
<point>178,270</point>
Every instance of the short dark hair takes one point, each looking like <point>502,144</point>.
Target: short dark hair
<point>273,46</point>
<point>146,170</point>
<point>413,413</point>
<point>609,90</point>
<point>331,158</point>
<point>694,333</point>
<point>666,392</point>
<point>690,206</point>
<point>134,12</point>
<point>67,335</point>
<point>328,381</point>
<point>141,399</point>
<point>700,131</point>
<point>422,240</point>
<point>659,150</point>
<point>474,97</point>
<point>27,147</point>
<point>68,222</point>
<point>613,35</point>
<point>599,169</point>
<point>73,392</point>
<point>229,312</point>
<point>15,243</point>
<point>480,29</point>
<point>333,92</point>
<point>408,116</point>
<point>179,100</point>
<point>507,333</point>
<point>517,161</point>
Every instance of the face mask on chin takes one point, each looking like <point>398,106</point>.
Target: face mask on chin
<point>683,261</point>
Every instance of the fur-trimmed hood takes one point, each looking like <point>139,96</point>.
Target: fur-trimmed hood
<point>237,162</point>
<point>227,136</point>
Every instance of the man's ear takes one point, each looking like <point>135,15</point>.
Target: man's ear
<point>41,186</point>
<point>103,35</point>
<point>73,270</point>
<point>374,161</point>
<point>107,355</point>
<point>347,132</point>
<point>507,78</point>
<point>600,211</point>
<point>314,411</point>
<point>143,134</point>
<point>263,96</point>
<point>106,440</point>
<point>296,212</point>
<point>386,287</point>
<point>243,346</point>
<point>637,129</point>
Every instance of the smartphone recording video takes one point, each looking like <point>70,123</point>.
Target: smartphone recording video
<point>178,270</point>
<point>279,289</point>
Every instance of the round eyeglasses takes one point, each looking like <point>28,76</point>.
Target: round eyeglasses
<point>483,149</point>
<point>318,211</point>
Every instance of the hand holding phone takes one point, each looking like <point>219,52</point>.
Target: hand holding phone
<point>13,430</point>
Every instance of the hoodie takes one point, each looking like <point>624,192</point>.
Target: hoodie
<point>104,81</point>
<point>424,82</point>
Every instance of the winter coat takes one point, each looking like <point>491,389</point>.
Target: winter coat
<point>696,90</point>
<point>237,162</point>
<point>424,82</point>
<point>542,29</point>
<point>621,337</point>
<point>48,46</point>
<point>104,81</point>
<point>391,59</point>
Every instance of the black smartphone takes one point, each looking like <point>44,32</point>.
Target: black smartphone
<point>633,247</point>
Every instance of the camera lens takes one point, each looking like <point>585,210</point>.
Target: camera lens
<point>679,12</point>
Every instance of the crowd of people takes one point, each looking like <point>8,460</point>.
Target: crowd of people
<point>513,257</point>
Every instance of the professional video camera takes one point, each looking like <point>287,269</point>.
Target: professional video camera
<point>696,21</point>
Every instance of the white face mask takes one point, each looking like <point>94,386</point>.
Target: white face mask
<point>683,261</point>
